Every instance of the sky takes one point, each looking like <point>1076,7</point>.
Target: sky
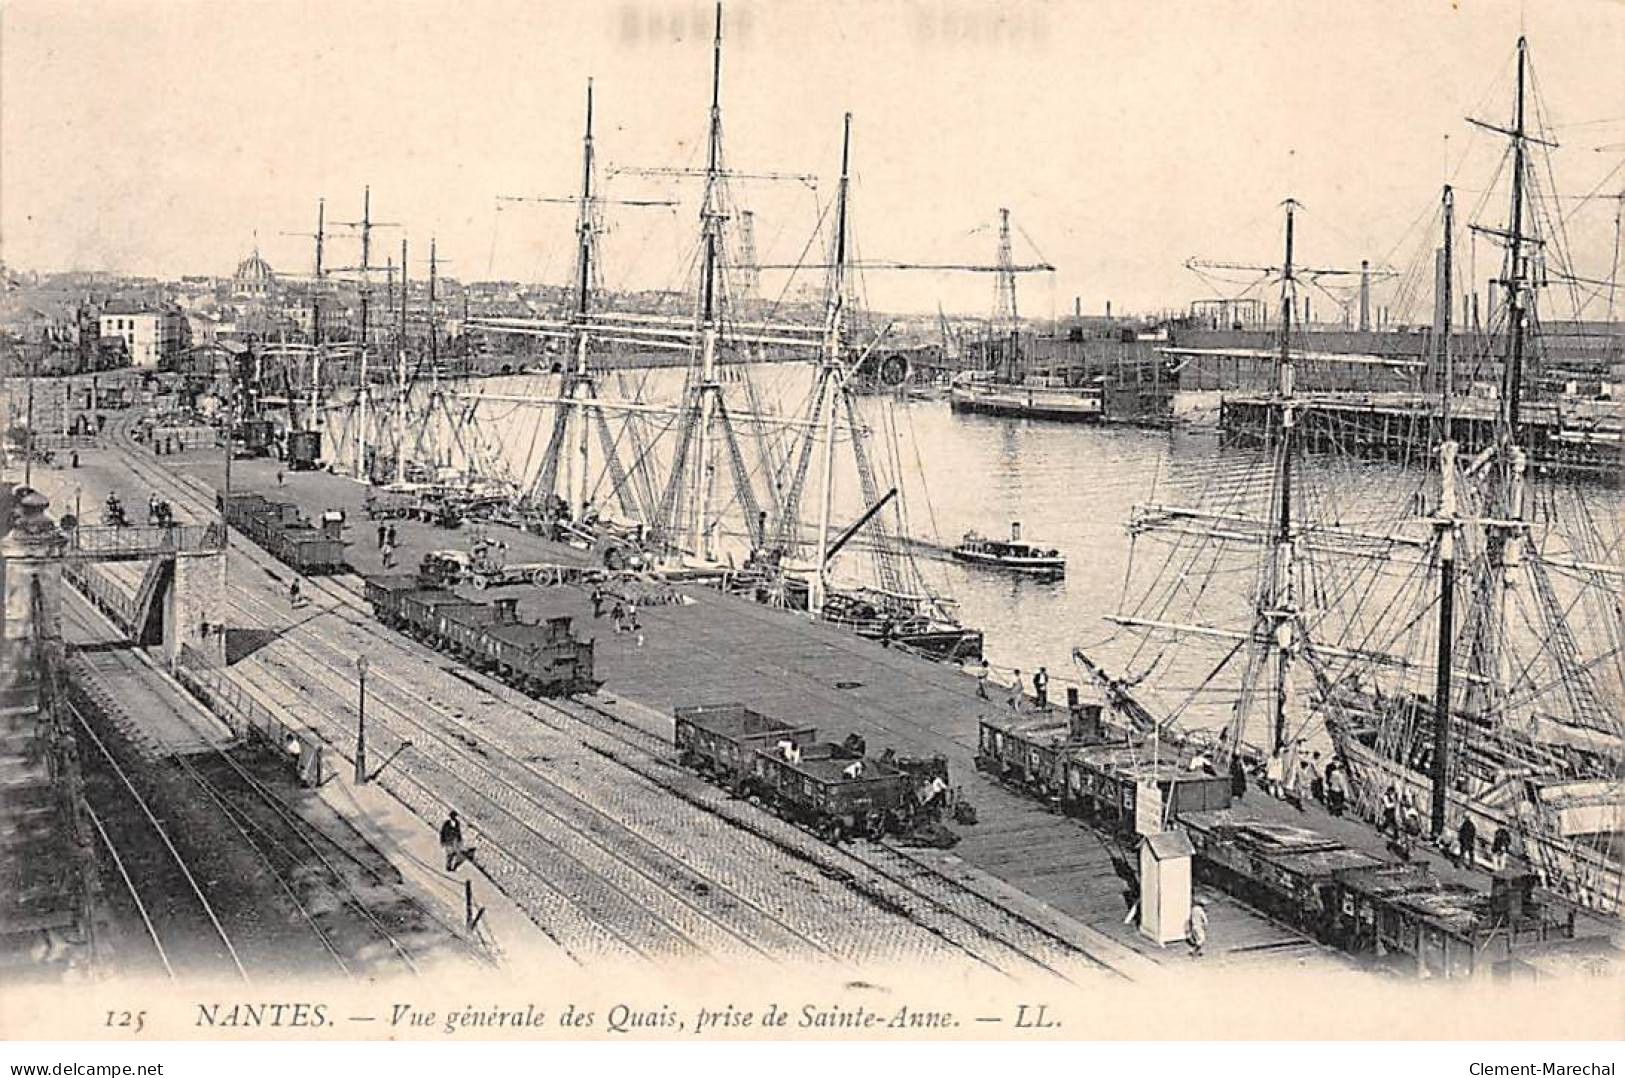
<point>1125,137</point>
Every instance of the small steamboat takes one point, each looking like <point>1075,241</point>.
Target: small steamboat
<point>1013,554</point>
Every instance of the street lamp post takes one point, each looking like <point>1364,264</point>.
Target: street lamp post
<point>361,724</point>
<point>231,437</point>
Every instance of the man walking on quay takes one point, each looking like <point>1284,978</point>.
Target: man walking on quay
<point>1198,929</point>
<point>451,841</point>
<point>1041,687</point>
<point>383,535</point>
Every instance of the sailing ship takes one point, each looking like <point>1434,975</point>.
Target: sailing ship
<point>683,517</point>
<point>1013,554</point>
<point>900,607</point>
<point>1504,720</point>
<point>1536,766</point>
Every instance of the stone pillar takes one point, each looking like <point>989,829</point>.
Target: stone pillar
<point>194,608</point>
<point>30,556</point>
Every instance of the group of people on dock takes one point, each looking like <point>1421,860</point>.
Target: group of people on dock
<point>388,542</point>
<point>159,511</point>
<point>624,614</point>
<point>1017,699</point>
<point>1326,784</point>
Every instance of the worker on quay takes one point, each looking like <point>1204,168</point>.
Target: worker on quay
<point>383,534</point>
<point>1500,849</point>
<point>1308,783</point>
<point>597,602</point>
<point>451,841</point>
<point>388,554</point>
<point>1041,688</point>
<point>1317,781</point>
<point>1198,929</point>
<point>981,680</point>
<point>295,599</point>
<point>1018,695</point>
<point>1337,789</point>
<point>1466,843</point>
<point>1238,777</point>
<point>1390,813</point>
<point>1274,772</point>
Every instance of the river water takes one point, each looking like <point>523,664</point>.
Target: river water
<point>1073,487</point>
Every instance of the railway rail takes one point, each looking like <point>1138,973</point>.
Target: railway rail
<point>337,909</point>
<point>162,877</point>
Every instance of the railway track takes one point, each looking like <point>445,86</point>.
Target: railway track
<point>949,914</point>
<point>158,881</point>
<point>966,919</point>
<point>957,916</point>
<point>332,891</point>
<point>608,827</point>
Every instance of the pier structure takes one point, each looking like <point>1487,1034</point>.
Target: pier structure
<point>1576,438</point>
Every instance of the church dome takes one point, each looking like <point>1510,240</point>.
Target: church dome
<point>254,268</point>
<point>254,276</point>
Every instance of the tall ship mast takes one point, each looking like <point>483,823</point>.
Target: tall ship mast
<point>898,606</point>
<point>1455,642</point>
<point>1523,733</point>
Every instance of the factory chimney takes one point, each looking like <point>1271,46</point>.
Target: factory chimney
<point>1365,296</point>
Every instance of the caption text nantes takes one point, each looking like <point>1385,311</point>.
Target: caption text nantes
<point>618,1018</point>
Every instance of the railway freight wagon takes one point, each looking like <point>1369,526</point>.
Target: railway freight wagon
<point>1280,868</point>
<point>1027,751</point>
<point>461,629</point>
<point>1397,913</point>
<point>280,529</point>
<point>304,450</point>
<point>543,659</point>
<point>1066,762</point>
<point>837,791</point>
<point>721,739</point>
<point>1103,783</point>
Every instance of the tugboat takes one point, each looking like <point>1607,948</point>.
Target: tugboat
<point>1012,554</point>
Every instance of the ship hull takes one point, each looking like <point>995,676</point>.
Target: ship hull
<point>1069,407</point>
<point>945,645</point>
<point>1042,567</point>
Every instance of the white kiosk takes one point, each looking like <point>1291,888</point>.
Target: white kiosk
<point>1165,886</point>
